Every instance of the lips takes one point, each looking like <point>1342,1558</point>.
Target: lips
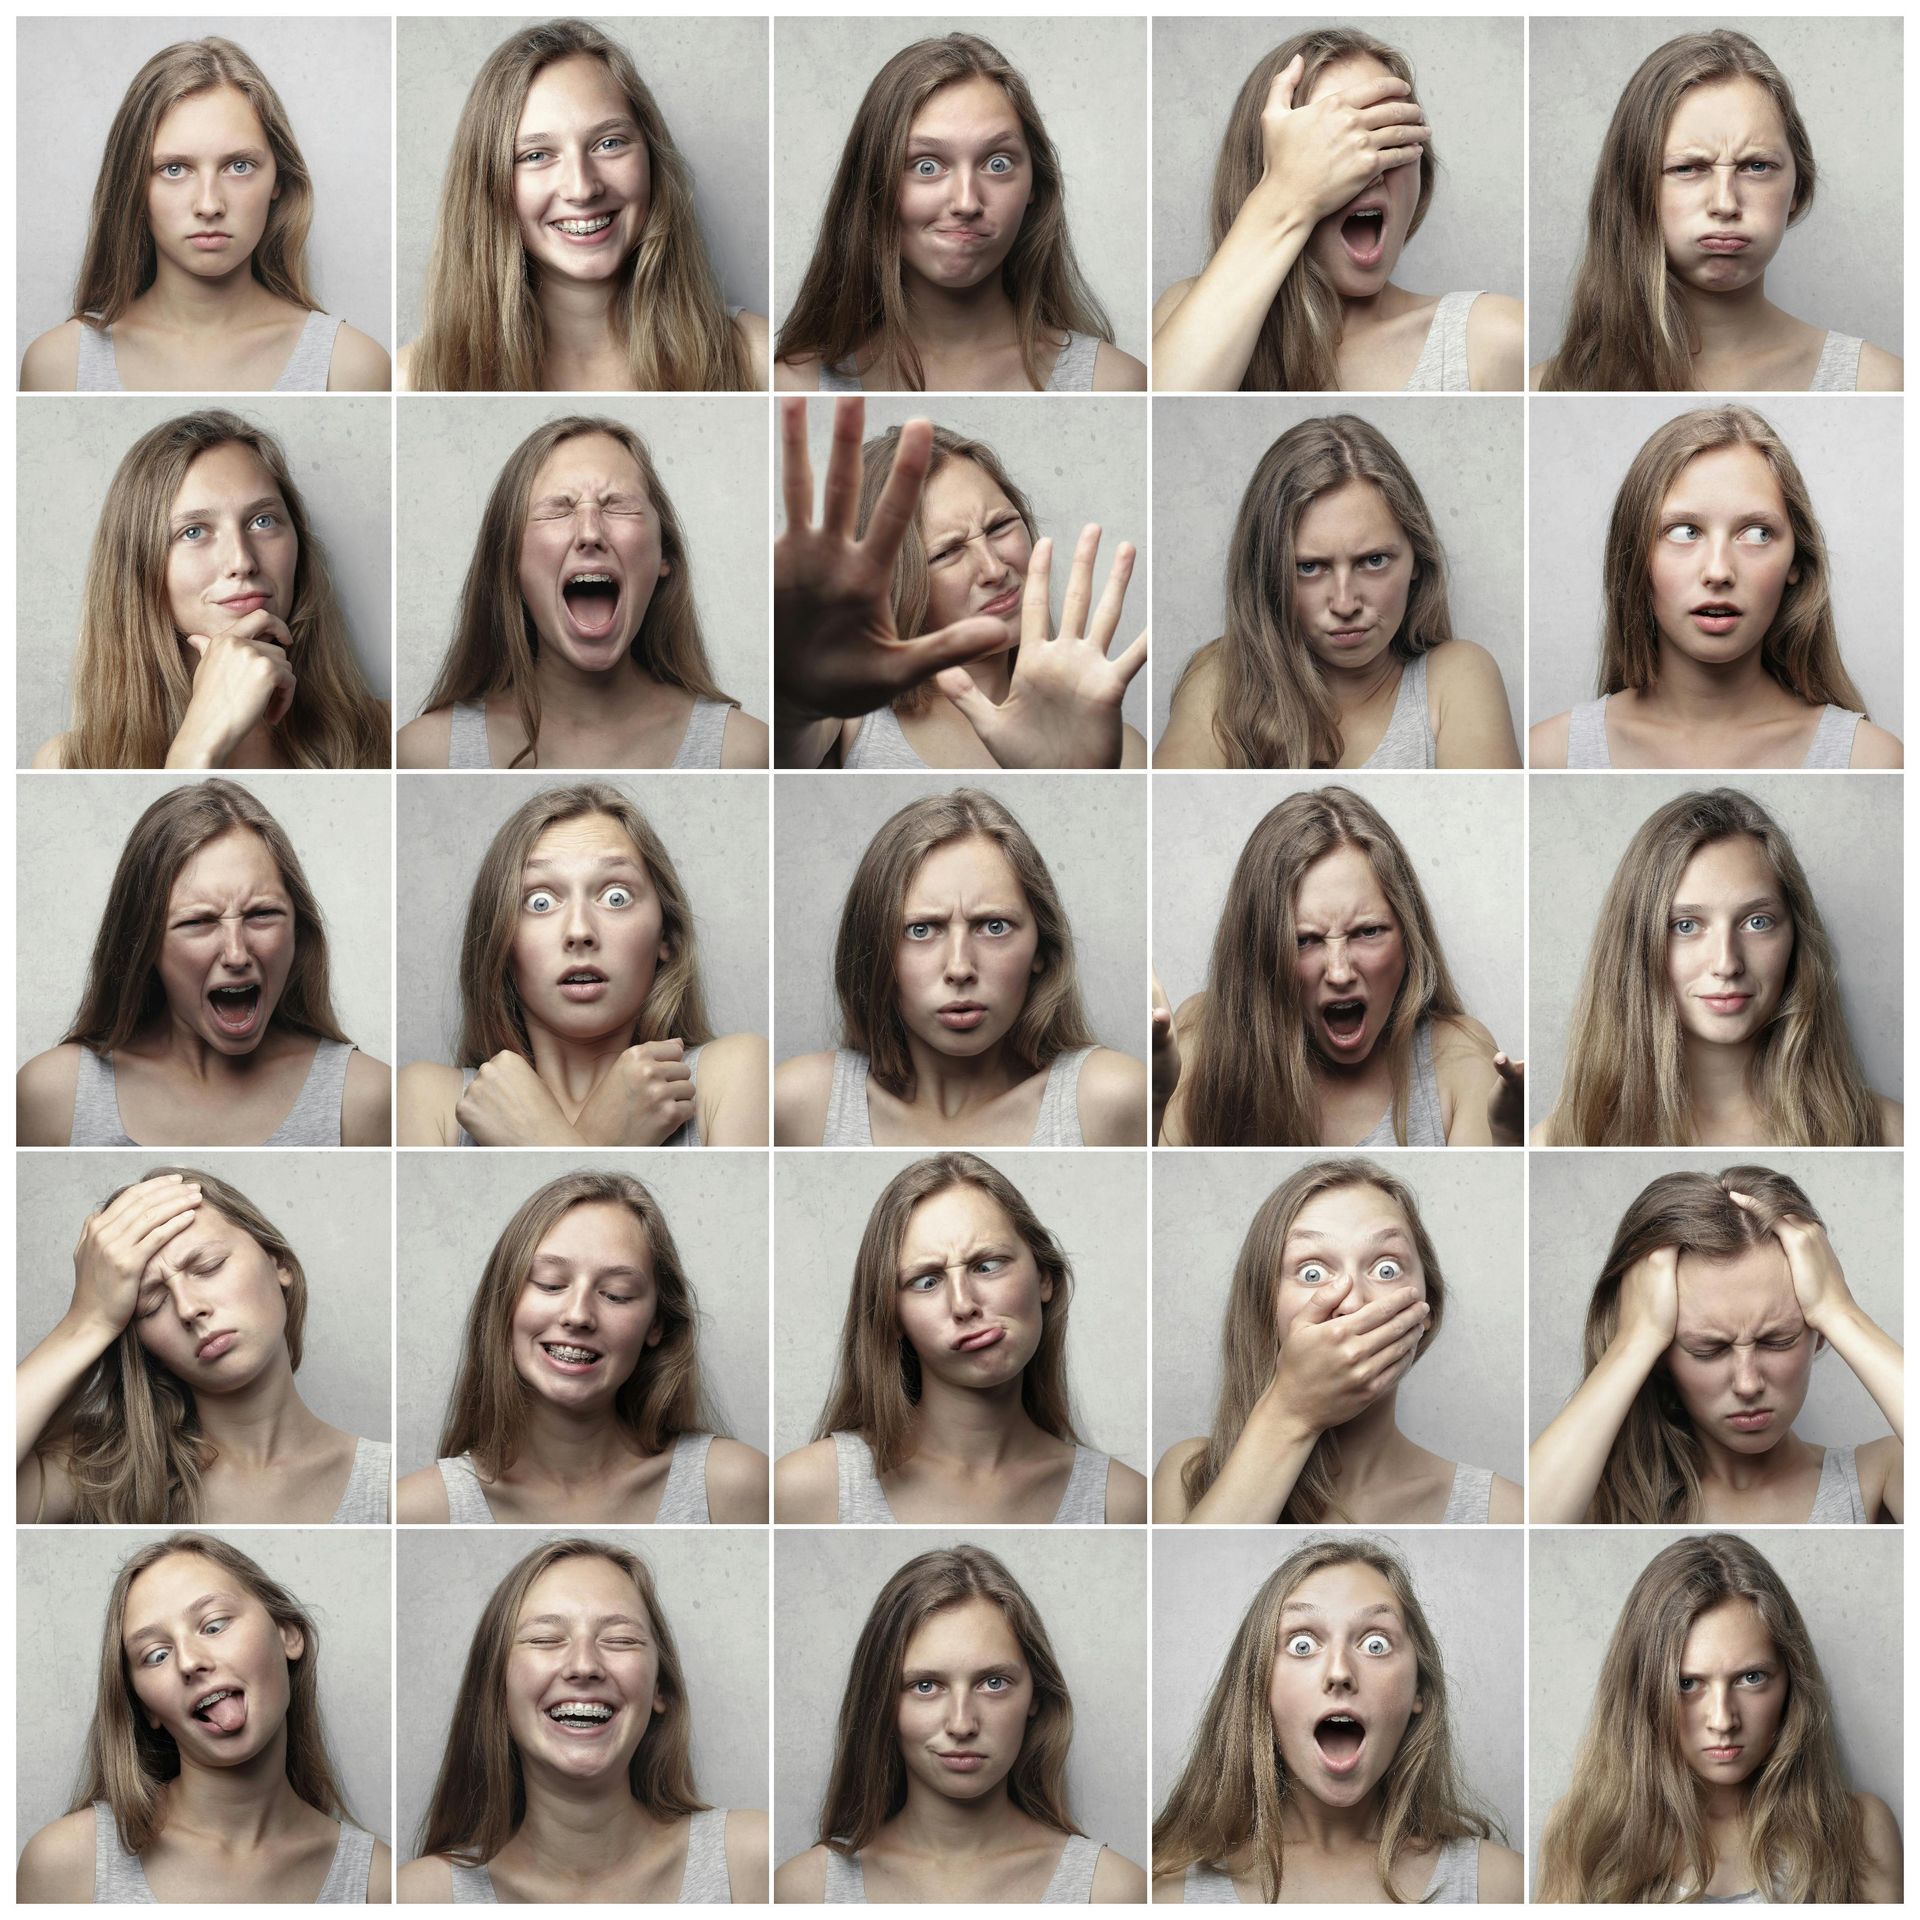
<point>1723,1753</point>
<point>961,1016</point>
<point>1725,1002</point>
<point>214,1346</point>
<point>962,1762</point>
<point>236,1010</point>
<point>1344,1022</point>
<point>1363,230</point>
<point>223,1709</point>
<point>582,1718</point>
<point>1340,1738</point>
<point>243,604</point>
<point>1347,636</point>
<point>209,242</point>
<point>583,229</point>
<point>567,1356</point>
<point>591,598</point>
<point>1722,243</point>
<point>1004,603</point>
<point>980,1340</point>
<point>1715,616</point>
<point>582,983</point>
<point>963,236</point>
<point>1756,1420</point>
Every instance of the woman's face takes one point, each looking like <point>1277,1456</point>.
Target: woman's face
<point>967,949</point>
<point>966,1695</point>
<point>590,557</point>
<point>582,181</point>
<point>1726,185</point>
<point>1742,1355</point>
<point>967,180</point>
<point>1351,956</point>
<point>207,1662</point>
<point>1345,1683</point>
<point>231,545</point>
<point>1729,942</point>
<point>583,1672</point>
<point>212,1305</point>
<point>977,549</point>
<point>588,932</point>
<point>1356,253</point>
<point>228,944</point>
<point>1354,1233</point>
<point>1733,1693</point>
<point>588,1308</point>
<point>212,183</point>
<point>1352,572</point>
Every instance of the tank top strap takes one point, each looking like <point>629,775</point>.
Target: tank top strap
<point>1072,1882</point>
<point>365,1501</point>
<point>312,357</point>
<point>1587,735</point>
<point>1838,370</point>
<point>1833,738</point>
<point>1837,1500</point>
<point>683,1500</point>
<point>1209,1887</point>
<point>1408,740</point>
<point>118,1877</point>
<point>1470,1499</point>
<point>346,1882</point>
<point>706,734</point>
<point>705,1882</point>
<point>467,736</point>
<point>315,1119</point>
<point>1073,371</point>
<point>1442,366</point>
<point>96,1104</point>
<point>1058,1122</point>
<point>848,1123</point>
<point>860,1500</point>
<point>881,742</point>
<point>846,1883</point>
<point>1084,1504</point>
<point>472,1886</point>
<point>96,371</point>
<point>1456,1875</point>
<point>466,1501</point>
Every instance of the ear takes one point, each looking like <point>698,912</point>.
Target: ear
<point>1793,576</point>
<point>1046,1288</point>
<point>655,1331</point>
<point>659,1701</point>
<point>1419,1704</point>
<point>285,1275</point>
<point>666,567</point>
<point>294,1641</point>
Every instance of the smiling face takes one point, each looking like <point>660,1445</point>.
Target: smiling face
<point>231,544</point>
<point>1733,1694</point>
<point>588,1307</point>
<point>212,183</point>
<point>1742,1355</point>
<point>212,1306</point>
<point>1726,185</point>
<point>1358,254</point>
<point>967,949</point>
<point>970,1292</point>
<point>1352,957</point>
<point>582,181</point>
<point>1352,572</point>
<point>228,944</point>
<point>965,186</point>
<point>1729,942</point>
<point>977,549</point>
<point>966,1695</point>
<point>1356,1233</point>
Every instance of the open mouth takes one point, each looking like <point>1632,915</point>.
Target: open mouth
<point>236,1010</point>
<point>583,983</point>
<point>570,1359</point>
<point>224,1710</point>
<point>1345,1021</point>
<point>1717,616</point>
<point>585,230</point>
<point>592,600</point>
<point>1339,1737</point>
<point>1363,234</point>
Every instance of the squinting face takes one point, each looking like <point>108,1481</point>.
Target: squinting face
<point>588,1307</point>
<point>977,549</point>
<point>229,941</point>
<point>1352,572</point>
<point>1354,1233</point>
<point>1742,1356</point>
<point>970,1292</point>
<point>211,184</point>
<point>1726,185</point>
<point>211,1305</point>
<point>1351,956</point>
<point>966,1695</point>
<point>967,950</point>
<point>965,185</point>
<point>231,545</point>
<point>1358,253</point>
<point>582,182</point>
<point>1729,942</point>
<point>1733,1694</point>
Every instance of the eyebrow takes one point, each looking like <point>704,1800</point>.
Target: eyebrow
<point>933,1260</point>
<point>1676,508</point>
<point>599,1273</point>
<point>934,1673</point>
<point>986,911</point>
<point>1358,553</point>
<point>197,1257</point>
<point>605,1620</point>
<point>1769,1659</point>
<point>189,514</point>
<point>186,159</point>
<point>160,1633</point>
<point>268,897</point>
<point>1758,901</point>
<point>1005,136</point>
<point>592,133</point>
<point>1772,1330</point>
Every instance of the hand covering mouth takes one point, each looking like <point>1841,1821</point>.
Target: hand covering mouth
<point>1339,1736</point>
<point>223,1708</point>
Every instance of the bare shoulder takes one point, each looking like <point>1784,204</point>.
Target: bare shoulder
<point>1507,1506</point>
<point>1502,1875</point>
<point>1547,741</point>
<point>1880,371</point>
<point>1117,1881</point>
<point>1535,374</point>
<point>380,1876</point>
<point>56,1865</point>
<point>733,1091</point>
<point>53,753</point>
<point>1893,1121</point>
<point>429,1092</point>
<point>1133,746</point>
<point>802,1880</point>
<point>1189,739</point>
<point>1126,1495</point>
<point>1113,1099</point>
<point>1170,1500</point>
<point>1187,1015</point>
<point>366,1107</point>
<point>1460,1039</point>
<point>1872,747</point>
<point>736,1483</point>
<point>359,364</point>
<point>427,1881</point>
<point>1117,372</point>
<point>1880,1874</point>
<point>806,1485</point>
<point>801,1088</point>
<point>744,744</point>
<point>797,376</point>
<point>1170,1889</point>
<point>43,1093</point>
<point>746,1830</point>
<point>403,383</point>
<point>1463,666</point>
<point>52,363</point>
<point>752,329</point>
<point>428,741</point>
<point>1496,344</point>
<point>421,1501</point>
<point>1168,304</point>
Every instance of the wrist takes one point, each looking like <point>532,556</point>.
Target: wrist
<point>1642,1344</point>
<point>1279,219</point>
<point>197,748</point>
<point>87,1332</point>
<point>1280,1422</point>
<point>1833,1316</point>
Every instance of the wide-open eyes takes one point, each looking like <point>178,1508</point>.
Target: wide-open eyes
<point>617,895</point>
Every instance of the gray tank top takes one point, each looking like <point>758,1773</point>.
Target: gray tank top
<point>863,1501</point>
<point>1839,368</point>
<point>1470,1499</point>
<point>1072,372</point>
<point>1423,1101</point>
<point>120,1880</point>
<point>1837,1500</point>
<point>881,743</point>
<point>683,1500</point>
<point>850,1125</point>
<point>1587,736</point>
<point>305,372</point>
<point>1408,740</point>
<point>687,1134</point>
<point>365,1501</point>
<point>1071,1885</point>
<point>1455,1881</point>
<point>1442,366</point>
<point>705,1883</point>
<point>700,746</point>
<point>313,1122</point>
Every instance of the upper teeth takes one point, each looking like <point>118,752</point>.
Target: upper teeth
<point>593,225</point>
<point>589,579</point>
<point>1342,1719</point>
<point>580,1710</point>
<point>577,1354</point>
<point>219,1693</point>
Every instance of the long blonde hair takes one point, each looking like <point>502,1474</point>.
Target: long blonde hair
<point>120,261</point>
<point>1246,1335</point>
<point>876,1383</point>
<point>480,1797</point>
<point>1229,1802</point>
<point>1273,708</point>
<point>1294,351</point>
<point>131,680</point>
<point>1626,328</point>
<point>868,1784</point>
<point>853,295</point>
<point>482,329</point>
<point>1631,1828</point>
<point>1251,1082</point>
<point>495,644</point>
<point>128,1763</point>
<point>1625,1082</point>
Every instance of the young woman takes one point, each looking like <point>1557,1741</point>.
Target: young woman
<point>960,1014</point>
<point>207,1779</point>
<point>1322,1767</point>
<point>577,642</point>
<point>949,1777</point>
<point>1339,648</point>
<point>568,1772</point>
<point>166,1391</point>
<point>582,1018</point>
<point>1329,1018</point>
<point>1718,647</point>
<point>959,553</point>
<point>1325,174</point>
<point>1705,165</point>
<point>1710,1770</point>
<point>579,1396</point>
<point>195,274</point>
<point>1336,1293</point>
<point>209,632</point>
<point>207,1019</point>
<point>568,257</point>
<point>950,1400</point>
<point>1744,1042</point>
<point>1701,1334</point>
<point>942,261</point>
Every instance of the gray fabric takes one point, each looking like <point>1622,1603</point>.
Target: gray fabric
<point>1443,360</point>
<point>119,1878</point>
<point>704,1885</point>
<point>365,1501</point>
<point>1837,1500</point>
<point>1423,1101</point>
<point>1071,1885</point>
<point>1470,1500</point>
<point>1072,372</point>
<point>1838,371</point>
<point>687,1134</point>
<point>1408,740</point>
<point>683,1500</point>
<point>305,371</point>
<point>850,1125</point>
<point>700,746</point>
<point>314,1120</point>
<point>1455,1881</point>
<point>863,1501</point>
<point>881,743</point>
<point>1587,736</point>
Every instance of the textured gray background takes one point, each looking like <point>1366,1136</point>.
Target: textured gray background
<point>1462,1400</point>
<point>709,79</point>
<point>1833,268</point>
<point>1467,76</point>
<point>1075,464</point>
<point>342,1576</point>
<point>1090,829</point>
<point>1845,1581</point>
<point>71,832</point>
<point>66,453</point>
<point>712,1587</point>
<point>1462,831</point>
<point>714,826</point>
<point>1093,1204</point>
<point>1582,448</point>
<point>711,453</point>
<point>1465,459</point>
<point>453,1210</point>
<point>1089,1586</point>
<point>332,78</point>
<point>1088,81</point>
<point>334,1210</point>
<point>1578,1201</point>
<point>1846,834</point>
<point>1470,1584</point>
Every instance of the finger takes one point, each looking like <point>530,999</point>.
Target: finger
<point>662,1049</point>
<point>796,466</point>
<point>1393,113</point>
<point>1391,157</point>
<point>199,642</point>
<point>909,662</point>
<point>1280,93</point>
<point>1073,610</point>
<point>1162,1021</point>
<point>282,702</point>
<point>1324,1300</point>
<point>1377,1313</point>
<point>899,500</point>
<point>840,508</point>
<point>1106,616</point>
<point>1514,1072</point>
<point>1369,93</point>
<point>1130,662</point>
<point>162,1230</point>
<point>667,1073</point>
<point>140,1205</point>
<point>1161,1004</point>
<point>975,708</point>
<point>1405,133</point>
<point>1036,604</point>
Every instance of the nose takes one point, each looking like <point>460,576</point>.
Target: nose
<point>1338,967</point>
<point>579,179</point>
<point>208,202</point>
<point>1726,960</point>
<point>989,568</point>
<point>577,928</point>
<point>194,1658</point>
<point>1723,198</point>
<point>962,1714</point>
<point>186,1303</point>
<point>1748,1383</point>
<point>589,526</point>
<point>577,1309</point>
<point>1345,595</point>
<point>963,191</point>
<point>1338,1677</point>
<point>959,965</point>
<point>233,941</point>
<point>960,1297</point>
<point>583,1660</point>
<point>1716,558</point>
<point>1723,1709</point>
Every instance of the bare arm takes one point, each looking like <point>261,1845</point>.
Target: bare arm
<point>1476,730</point>
<point>732,1091</point>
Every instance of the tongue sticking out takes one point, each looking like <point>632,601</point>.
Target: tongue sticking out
<point>1339,1740</point>
<point>230,1714</point>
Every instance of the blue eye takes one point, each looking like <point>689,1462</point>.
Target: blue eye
<point>919,929</point>
<point>1376,1643</point>
<point>1377,562</point>
<point>1000,163</point>
<point>1306,569</point>
<point>996,927</point>
<point>268,520</point>
<point>924,168</point>
<point>1686,924</point>
<point>1762,922</point>
<point>618,896</point>
<point>244,167</point>
<point>541,901</point>
<point>185,532</point>
<point>533,153</point>
<point>1300,1644</point>
<point>997,1682</point>
<point>1313,1274</point>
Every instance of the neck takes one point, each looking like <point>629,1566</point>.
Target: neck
<point>1352,688</point>
<point>1699,692</point>
<point>237,1807</point>
<point>580,1830</point>
<point>1371,1447</point>
<point>262,1423</point>
<point>953,319</point>
<point>933,1824</point>
<point>976,1428</point>
<point>185,302</point>
<point>189,1051</point>
<point>993,676</point>
<point>581,698</point>
<point>577,316</point>
<point>1724,322</point>
<point>1306,1821</point>
<point>954,1084</point>
<point>1719,1076</point>
<point>570,1447</point>
<point>1743,1472</point>
<point>1723,1807</point>
<point>571,1069</point>
<point>1358,315</point>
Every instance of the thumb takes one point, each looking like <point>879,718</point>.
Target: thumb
<point>1280,94</point>
<point>1325,1300</point>
<point>960,687</point>
<point>199,643</point>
